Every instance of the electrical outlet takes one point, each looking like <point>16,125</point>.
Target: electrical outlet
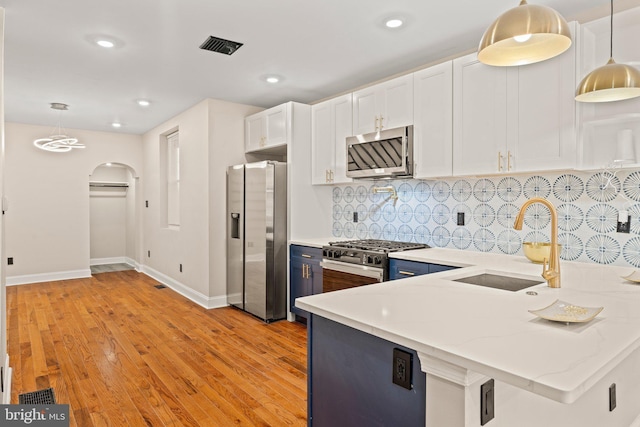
<point>612,397</point>
<point>10,260</point>
<point>487,407</point>
<point>624,222</point>
<point>402,368</point>
<point>460,218</point>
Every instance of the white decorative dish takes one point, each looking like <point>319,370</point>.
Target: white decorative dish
<point>561,311</point>
<point>633,277</point>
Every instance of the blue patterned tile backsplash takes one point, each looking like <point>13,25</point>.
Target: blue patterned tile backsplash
<point>428,212</point>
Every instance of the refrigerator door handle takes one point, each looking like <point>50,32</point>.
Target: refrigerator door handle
<point>235,225</point>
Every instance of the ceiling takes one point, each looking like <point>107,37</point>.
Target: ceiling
<point>318,48</point>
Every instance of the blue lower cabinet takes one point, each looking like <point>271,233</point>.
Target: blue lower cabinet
<point>400,268</point>
<point>351,379</point>
<point>305,275</point>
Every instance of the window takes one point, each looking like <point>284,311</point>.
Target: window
<point>173,179</point>
<point>170,179</point>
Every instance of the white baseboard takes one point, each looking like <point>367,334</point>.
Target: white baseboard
<point>135,264</point>
<point>195,296</point>
<point>112,260</point>
<point>48,277</point>
<point>6,394</point>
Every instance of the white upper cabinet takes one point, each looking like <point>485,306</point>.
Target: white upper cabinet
<point>383,106</point>
<point>514,119</point>
<point>479,117</point>
<point>266,129</point>
<point>542,104</point>
<point>433,128</point>
<point>331,124</point>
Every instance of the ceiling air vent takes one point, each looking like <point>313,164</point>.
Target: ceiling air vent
<point>216,44</point>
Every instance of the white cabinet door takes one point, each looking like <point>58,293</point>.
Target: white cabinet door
<point>331,124</point>
<point>322,144</point>
<point>276,125</point>
<point>396,108</point>
<point>383,106</point>
<point>541,102</point>
<point>342,128</point>
<point>365,110</point>
<point>433,121</point>
<point>479,117</point>
<point>253,135</point>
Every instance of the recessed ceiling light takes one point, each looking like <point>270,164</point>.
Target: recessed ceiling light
<point>105,43</point>
<point>143,102</point>
<point>107,164</point>
<point>272,79</point>
<point>394,23</point>
<point>116,124</point>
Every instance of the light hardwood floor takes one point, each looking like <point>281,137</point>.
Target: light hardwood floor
<point>123,353</point>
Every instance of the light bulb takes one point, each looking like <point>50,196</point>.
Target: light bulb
<point>522,38</point>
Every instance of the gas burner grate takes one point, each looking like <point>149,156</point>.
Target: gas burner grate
<point>378,245</point>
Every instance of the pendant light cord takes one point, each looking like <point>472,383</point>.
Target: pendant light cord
<point>611,36</point>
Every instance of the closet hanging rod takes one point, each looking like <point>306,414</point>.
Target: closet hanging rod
<point>108,184</point>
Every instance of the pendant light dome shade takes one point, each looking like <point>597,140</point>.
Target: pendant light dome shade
<point>611,82</point>
<point>524,35</point>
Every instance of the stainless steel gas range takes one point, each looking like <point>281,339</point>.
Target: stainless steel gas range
<point>351,263</point>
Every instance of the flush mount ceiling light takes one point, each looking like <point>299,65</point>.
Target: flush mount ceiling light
<point>524,35</point>
<point>58,142</point>
<point>393,23</point>
<point>272,79</point>
<point>105,43</point>
<point>116,125</point>
<point>143,102</point>
<point>611,82</point>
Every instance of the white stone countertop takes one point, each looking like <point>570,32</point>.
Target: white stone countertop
<point>314,243</point>
<point>490,331</point>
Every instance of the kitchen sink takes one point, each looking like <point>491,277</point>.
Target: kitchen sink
<point>498,280</point>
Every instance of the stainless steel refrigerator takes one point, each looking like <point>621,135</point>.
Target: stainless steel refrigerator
<point>257,239</point>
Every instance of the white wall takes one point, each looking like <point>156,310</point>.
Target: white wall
<point>211,138</point>
<point>47,225</point>
<point>226,148</point>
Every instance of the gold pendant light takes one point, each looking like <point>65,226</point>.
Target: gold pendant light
<point>611,82</point>
<point>524,35</point>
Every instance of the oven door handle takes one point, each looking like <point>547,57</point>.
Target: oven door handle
<point>358,270</point>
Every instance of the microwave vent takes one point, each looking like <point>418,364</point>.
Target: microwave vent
<point>216,44</point>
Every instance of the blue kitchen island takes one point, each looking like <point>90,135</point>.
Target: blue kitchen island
<point>470,350</point>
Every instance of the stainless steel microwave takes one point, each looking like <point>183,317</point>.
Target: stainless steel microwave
<point>384,154</point>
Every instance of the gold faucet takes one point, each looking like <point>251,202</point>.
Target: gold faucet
<point>551,267</point>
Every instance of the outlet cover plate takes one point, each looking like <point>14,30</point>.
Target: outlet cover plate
<point>402,368</point>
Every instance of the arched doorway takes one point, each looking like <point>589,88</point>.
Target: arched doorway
<point>114,236</point>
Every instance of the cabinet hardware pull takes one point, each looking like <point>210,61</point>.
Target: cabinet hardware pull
<point>381,118</point>
<point>509,160</point>
<point>406,273</point>
<point>306,256</point>
<point>375,123</point>
<point>331,175</point>
<point>499,161</point>
<point>326,175</point>
<point>305,271</point>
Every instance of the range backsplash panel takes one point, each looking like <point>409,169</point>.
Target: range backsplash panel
<point>427,212</point>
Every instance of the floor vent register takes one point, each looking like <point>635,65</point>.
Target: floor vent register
<point>40,397</point>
